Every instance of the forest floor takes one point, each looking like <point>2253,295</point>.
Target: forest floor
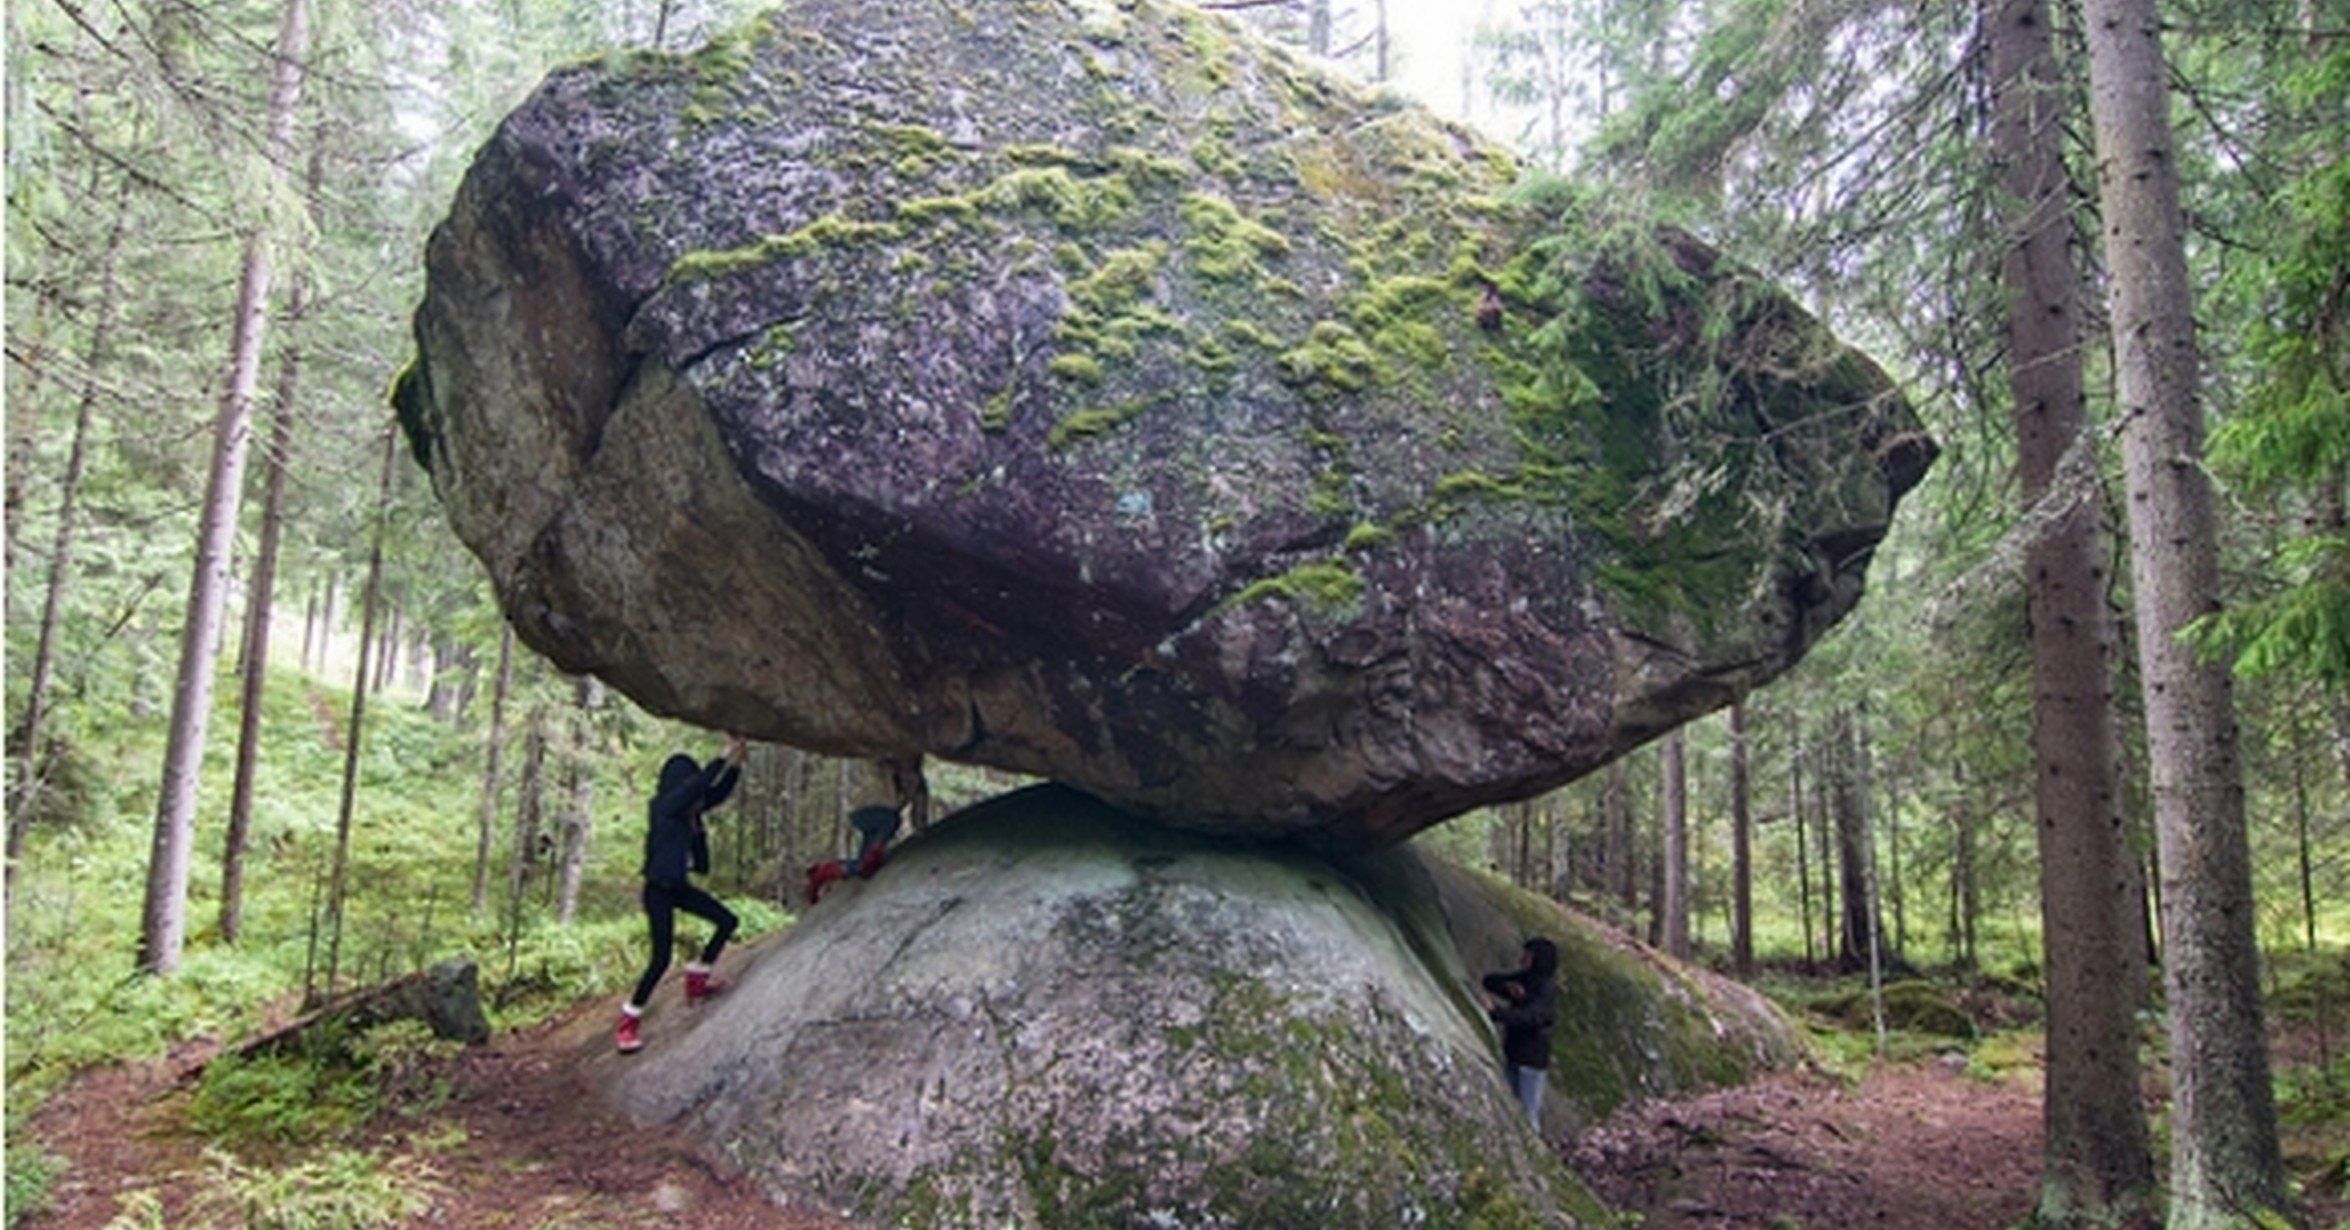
<point>521,1138</point>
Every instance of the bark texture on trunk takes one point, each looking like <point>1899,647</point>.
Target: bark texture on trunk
<point>493,770</point>
<point>1846,804</point>
<point>2226,1165</point>
<point>260,608</point>
<point>164,917</point>
<point>1741,847</point>
<point>1674,905</point>
<point>2096,1164</point>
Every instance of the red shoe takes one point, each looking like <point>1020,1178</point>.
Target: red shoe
<point>820,875</point>
<point>871,863</point>
<point>699,985</point>
<point>626,1036</point>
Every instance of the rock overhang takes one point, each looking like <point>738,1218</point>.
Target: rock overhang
<point>1141,431</point>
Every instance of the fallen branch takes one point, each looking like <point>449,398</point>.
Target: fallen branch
<point>447,998</point>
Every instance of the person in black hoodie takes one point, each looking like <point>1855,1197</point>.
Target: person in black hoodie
<point>676,846</point>
<point>1524,1001</point>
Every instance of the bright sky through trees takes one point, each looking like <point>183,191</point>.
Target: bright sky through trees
<point>1432,39</point>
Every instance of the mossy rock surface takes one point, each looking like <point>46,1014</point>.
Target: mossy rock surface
<point>1045,1013</point>
<point>1089,390</point>
<point>1632,1022</point>
<point>1911,1005</point>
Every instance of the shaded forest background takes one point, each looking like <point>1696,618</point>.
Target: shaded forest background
<point>214,233</point>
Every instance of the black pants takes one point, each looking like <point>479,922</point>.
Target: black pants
<point>662,902</point>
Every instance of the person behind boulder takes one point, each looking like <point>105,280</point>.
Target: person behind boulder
<point>677,846</point>
<point>1523,1001</point>
<point>875,825</point>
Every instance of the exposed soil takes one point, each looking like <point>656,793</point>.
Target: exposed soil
<point>525,1140</point>
<point>1914,1147</point>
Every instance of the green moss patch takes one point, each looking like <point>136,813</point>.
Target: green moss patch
<point>828,233</point>
<point>1330,590</point>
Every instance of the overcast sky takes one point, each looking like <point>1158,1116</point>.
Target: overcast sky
<point>1430,44</point>
<point>1429,38</point>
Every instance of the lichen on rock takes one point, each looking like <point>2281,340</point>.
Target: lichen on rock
<point>1092,391</point>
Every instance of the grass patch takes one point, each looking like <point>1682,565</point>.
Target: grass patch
<point>334,1189</point>
<point>32,1172</point>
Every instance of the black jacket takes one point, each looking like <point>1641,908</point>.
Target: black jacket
<point>674,841</point>
<point>1529,1005</point>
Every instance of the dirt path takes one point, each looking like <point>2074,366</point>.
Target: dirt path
<point>522,1139</point>
<point>1909,1148</point>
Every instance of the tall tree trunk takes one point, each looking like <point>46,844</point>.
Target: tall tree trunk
<point>1501,842</point>
<point>1842,781</point>
<point>164,918</point>
<point>2096,1162</point>
<point>2226,1165</point>
<point>579,797</point>
<point>1895,893</point>
<point>310,618</point>
<point>1621,861</point>
<point>1965,903</point>
<point>1872,879</point>
<point>23,426</point>
<point>25,791</point>
<point>2301,739</point>
<point>526,814</point>
<point>1824,774</point>
<point>387,659</point>
<point>337,893</point>
<point>798,851</point>
<point>1796,809</point>
<point>1656,893</point>
<point>530,795</point>
<point>1673,903</point>
<point>260,604</point>
<point>494,760</point>
<point>1522,820</point>
<point>451,665</point>
<point>843,778</point>
<point>1555,862</point>
<point>1741,848</point>
<point>1555,880</point>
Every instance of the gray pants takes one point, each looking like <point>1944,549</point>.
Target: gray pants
<point>1529,1083</point>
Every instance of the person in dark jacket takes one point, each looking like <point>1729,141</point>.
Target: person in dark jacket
<point>1524,1002</point>
<point>677,847</point>
<point>875,825</point>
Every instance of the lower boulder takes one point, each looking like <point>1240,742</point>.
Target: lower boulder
<point>1046,1013</point>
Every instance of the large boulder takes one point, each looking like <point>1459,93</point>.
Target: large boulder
<point>1046,1013</point>
<point>1085,389</point>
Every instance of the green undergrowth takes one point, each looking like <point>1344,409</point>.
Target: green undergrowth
<point>2007,1045</point>
<point>334,1189</point>
<point>2313,1118</point>
<point>32,1172</point>
<point>2305,988</point>
<point>1986,1027</point>
<point>75,999</point>
<point>325,1090</point>
<point>283,1130</point>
